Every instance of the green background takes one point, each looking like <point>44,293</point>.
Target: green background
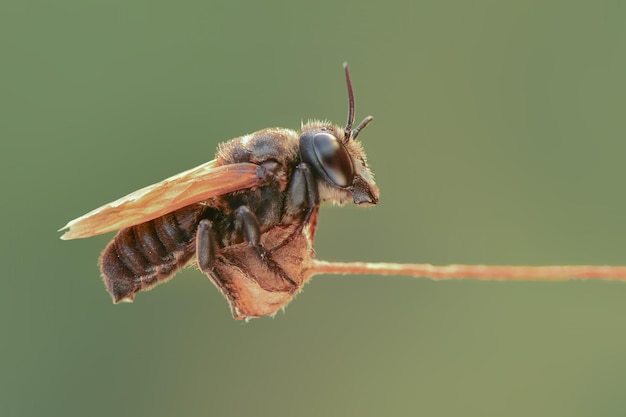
<point>498,138</point>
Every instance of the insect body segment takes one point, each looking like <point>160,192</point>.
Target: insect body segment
<point>144,255</point>
<point>253,236</point>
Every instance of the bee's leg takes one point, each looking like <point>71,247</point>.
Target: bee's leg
<point>206,246</point>
<point>303,194</point>
<point>206,251</point>
<point>246,222</point>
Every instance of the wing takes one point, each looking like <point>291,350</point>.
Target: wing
<point>188,187</point>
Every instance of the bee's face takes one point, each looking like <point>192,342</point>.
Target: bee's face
<point>338,162</point>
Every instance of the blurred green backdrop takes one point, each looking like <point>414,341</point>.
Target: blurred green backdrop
<point>498,138</point>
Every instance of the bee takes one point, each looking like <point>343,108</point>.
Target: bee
<point>248,217</point>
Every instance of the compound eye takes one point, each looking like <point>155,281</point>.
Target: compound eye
<point>334,159</point>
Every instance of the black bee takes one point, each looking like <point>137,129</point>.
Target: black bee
<point>248,216</point>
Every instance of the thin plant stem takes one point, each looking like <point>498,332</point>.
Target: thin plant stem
<point>479,272</point>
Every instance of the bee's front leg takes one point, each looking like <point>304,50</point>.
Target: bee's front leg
<point>302,195</point>
<point>302,192</point>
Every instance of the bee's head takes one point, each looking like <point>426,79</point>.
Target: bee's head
<point>338,159</point>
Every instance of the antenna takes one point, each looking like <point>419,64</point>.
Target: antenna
<point>349,132</point>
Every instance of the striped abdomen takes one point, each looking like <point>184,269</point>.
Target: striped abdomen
<point>141,256</point>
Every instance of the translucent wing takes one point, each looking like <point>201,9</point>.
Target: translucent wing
<point>188,187</point>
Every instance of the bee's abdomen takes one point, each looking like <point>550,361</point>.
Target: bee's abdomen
<point>142,256</point>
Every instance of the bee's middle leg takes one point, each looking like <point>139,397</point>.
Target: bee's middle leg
<point>247,222</point>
